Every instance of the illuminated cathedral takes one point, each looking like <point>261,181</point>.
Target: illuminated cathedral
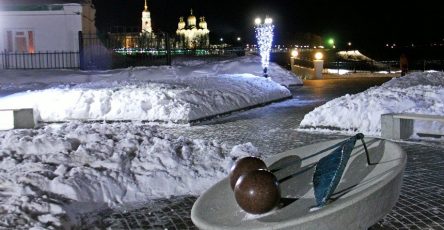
<point>192,36</point>
<point>189,35</point>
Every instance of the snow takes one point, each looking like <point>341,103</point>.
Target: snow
<point>178,94</point>
<point>420,93</point>
<point>50,175</point>
<point>361,73</point>
<point>353,55</point>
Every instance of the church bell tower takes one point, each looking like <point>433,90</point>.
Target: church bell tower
<point>146,20</point>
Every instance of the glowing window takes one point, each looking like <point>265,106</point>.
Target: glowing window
<point>20,41</point>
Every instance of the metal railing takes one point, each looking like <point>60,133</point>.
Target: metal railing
<point>375,66</point>
<point>40,60</point>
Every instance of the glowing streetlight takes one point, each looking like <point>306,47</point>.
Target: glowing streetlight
<point>258,21</point>
<point>294,55</point>
<point>221,39</point>
<point>264,36</point>
<point>318,65</point>
<point>349,44</point>
<point>239,39</point>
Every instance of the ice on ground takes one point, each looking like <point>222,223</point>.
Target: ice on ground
<point>421,93</point>
<point>50,175</point>
<point>178,94</point>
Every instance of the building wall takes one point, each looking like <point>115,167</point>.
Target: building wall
<point>53,30</point>
<point>88,19</point>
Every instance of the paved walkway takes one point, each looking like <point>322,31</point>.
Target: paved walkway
<point>272,129</point>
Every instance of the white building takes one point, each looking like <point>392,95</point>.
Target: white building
<point>33,26</point>
<point>192,36</point>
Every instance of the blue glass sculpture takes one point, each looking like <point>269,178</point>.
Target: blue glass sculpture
<point>330,168</point>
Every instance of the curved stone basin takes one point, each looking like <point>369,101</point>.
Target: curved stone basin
<point>364,195</point>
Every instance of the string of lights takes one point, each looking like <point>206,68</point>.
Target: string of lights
<point>264,36</point>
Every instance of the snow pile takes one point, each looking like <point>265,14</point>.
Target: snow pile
<point>50,175</point>
<point>252,65</point>
<point>19,80</point>
<point>420,93</point>
<point>181,101</point>
<point>179,94</point>
<point>353,55</point>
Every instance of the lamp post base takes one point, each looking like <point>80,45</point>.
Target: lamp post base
<point>265,72</point>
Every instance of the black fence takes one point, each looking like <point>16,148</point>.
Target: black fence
<point>375,66</point>
<point>40,60</point>
<point>120,50</point>
<point>117,49</point>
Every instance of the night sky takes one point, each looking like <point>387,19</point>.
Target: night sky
<point>361,22</point>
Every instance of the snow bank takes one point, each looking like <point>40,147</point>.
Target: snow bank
<point>16,80</point>
<point>353,55</point>
<point>50,175</point>
<point>252,65</point>
<point>421,93</point>
<point>181,101</point>
<point>178,94</point>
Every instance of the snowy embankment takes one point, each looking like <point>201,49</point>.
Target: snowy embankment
<point>50,175</point>
<point>178,94</point>
<point>420,93</point>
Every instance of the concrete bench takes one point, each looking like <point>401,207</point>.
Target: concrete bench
<point>400,125</point>
<point>17,119</point>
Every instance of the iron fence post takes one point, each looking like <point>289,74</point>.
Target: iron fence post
<point>81,57</point>
<point>168,48</point>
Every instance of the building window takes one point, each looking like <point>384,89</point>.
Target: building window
<point>20,41</point>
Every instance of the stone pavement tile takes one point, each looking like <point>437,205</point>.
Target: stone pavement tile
<point>272,129</point>
<point>418,206</point>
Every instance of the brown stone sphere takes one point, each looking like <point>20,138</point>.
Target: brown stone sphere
<point>257,192</point>
<point>243,166</point>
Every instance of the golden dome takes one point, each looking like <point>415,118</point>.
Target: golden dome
<point>191,19</point>
<point>181,24</point>
<point>203,23</point>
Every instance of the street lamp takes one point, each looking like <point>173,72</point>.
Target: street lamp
<point>264,36</point>
<point>318,56</point>
<point>318,65</point>
<point>258,21</point>
<point>294,55</point>
<point>331,41</point>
